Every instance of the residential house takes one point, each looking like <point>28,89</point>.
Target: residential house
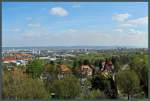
<point>107,69</point>
<point>107,66</point>
<point>84,70</point>
<point>13,60</point>
<point>64,71</point>
<point>23,56</point>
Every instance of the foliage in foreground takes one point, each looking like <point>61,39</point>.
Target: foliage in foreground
<point>128,82</point>
<point>21,87</point>
<point>67,88</point>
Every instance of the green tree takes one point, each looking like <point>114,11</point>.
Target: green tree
<point>67,88</point>
<point>139,64</point>
<point>86,62</point>
<point>128,82</point>
<point>80,62</point>
<point>97,94</point>
<point>75,63</point>
<point>52,70</point>
<point>144,75</point>
<point>35,68</point>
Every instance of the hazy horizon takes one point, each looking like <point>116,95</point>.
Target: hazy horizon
<point>113,46</point>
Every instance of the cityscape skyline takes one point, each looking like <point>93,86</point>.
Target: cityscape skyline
<point>74,24</point>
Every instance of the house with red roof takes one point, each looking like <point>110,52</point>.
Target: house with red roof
<point>64,71</point>
<point>9,59</point>
<point>107,66</point>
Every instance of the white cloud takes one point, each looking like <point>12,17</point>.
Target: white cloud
<point>120,17</point>
<point>34,24</point>
<point>42,36</point>
<point>134,32</point>
<point>14,30</point>
<point>126,25</point>
<point>118,30</point>
<point>137,38</point>
<point>72,30</point>
<point>138,21</point>
<point>133,37</point>
<point>59,11</point>
<point>85,38</point>
<point>142,21</point>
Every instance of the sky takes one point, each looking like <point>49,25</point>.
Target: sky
<point>74,24</point>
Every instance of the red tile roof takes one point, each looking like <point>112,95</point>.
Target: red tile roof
<point>109,63</point>
<point>23,55</point>
<point>9,59</point>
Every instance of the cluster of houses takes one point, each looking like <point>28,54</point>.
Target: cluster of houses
<point>64,70</point>
<point>16,59</point>
<point>82,71</point>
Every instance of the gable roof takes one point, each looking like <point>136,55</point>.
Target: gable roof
<point>64,68</point>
